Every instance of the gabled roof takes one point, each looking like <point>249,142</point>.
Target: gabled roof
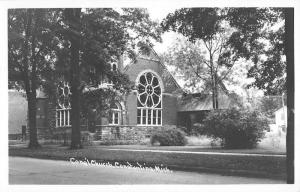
<point>281,109</point>
<point>153,56</point>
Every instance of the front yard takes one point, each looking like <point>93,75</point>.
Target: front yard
<point>241,164</point>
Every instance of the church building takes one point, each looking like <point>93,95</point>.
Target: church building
<point>156,102</point>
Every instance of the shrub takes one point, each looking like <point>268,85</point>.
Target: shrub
<point>117,142</point>
<point>202,140</point>
<point>184,129</point>
<point>168,137</point>
<point>236,128</point>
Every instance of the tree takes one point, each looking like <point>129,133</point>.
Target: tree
<point>205,29</point>
<point>254,34</point>
<point>289,51</point>
<point>270,74</point>
<point>98,37</point>
<point>30,54</point>
<point>189,61</point>
<point>259,36</point>
<point>72,18</point>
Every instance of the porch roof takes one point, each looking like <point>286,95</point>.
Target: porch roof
<point>204,103</point>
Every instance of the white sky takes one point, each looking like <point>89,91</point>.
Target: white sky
<point>158,14</point>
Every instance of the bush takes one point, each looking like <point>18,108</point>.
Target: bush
<point>202,140</point>
<point>168,137</point>
<point>116,142</point>
<point>236,128</point>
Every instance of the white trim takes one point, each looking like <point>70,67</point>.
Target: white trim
<point>149,110</point>
<point>56,119</point>
<point>148,125</point>
<point>161,84</point>
<point>113,113</point>
<point>151,116</point>
<point>165,67</point>
<point>148,59</point>
<point>169,94</point>
<point>60,118</point>
<point>69,115</point>
<point>64,117</point>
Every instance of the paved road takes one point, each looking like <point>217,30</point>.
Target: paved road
<point>37,171</point>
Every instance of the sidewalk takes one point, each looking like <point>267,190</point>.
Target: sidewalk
<point>37,171</point>
<point>200,152</point>
<point>251,165</point>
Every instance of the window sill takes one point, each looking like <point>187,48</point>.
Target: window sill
<point>149,125</point>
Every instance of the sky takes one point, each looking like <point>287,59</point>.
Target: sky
<point>158,14</point>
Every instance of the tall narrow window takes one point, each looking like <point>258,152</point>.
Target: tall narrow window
<point>149,100</point>
<point>115,115</point>
<point>114,67</point>
<point>63,105</point>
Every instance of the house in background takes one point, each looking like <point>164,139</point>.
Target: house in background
<point>17,113</point>
<point>281,118</point>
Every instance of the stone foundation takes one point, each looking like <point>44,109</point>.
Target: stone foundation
<point>103,133</point>
<point>133,133</point>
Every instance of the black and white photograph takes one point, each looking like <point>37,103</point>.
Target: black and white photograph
<point>142,94</point>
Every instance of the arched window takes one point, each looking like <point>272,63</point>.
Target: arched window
<point>149,100</point>
<point>114,66</point>
<point>63,105</point>
<point>115,114</point>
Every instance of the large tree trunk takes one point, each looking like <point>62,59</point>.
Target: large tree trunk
<point>289,51</point>
<point>214,83</point>
<point>33,141</point>
<point>30,83</point>
<point>73,18</point>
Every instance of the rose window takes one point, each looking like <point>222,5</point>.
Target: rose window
<point>63,105</point>
<point>149,91</point>
<point>64,93</point>
<point>149,100</point>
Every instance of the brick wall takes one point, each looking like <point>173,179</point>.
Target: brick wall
<point>169,102</point>
<point>46,125</point>
<point>140,65</point>
<point>131,106</point>
<point>169,112</point>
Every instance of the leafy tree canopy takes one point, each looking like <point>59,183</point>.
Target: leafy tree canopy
<point>105,36</point>
<point>256,35</point>
<point>31,39</point>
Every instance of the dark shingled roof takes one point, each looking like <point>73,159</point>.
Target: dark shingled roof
<point>204,102</point>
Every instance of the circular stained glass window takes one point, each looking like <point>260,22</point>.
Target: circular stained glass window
<point>63,98</point>
<point>149,91</point>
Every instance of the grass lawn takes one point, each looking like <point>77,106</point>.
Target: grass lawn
<point>200,149</point>
<point>258,166</point>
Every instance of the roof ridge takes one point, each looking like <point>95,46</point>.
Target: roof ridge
<point>160,62</point>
